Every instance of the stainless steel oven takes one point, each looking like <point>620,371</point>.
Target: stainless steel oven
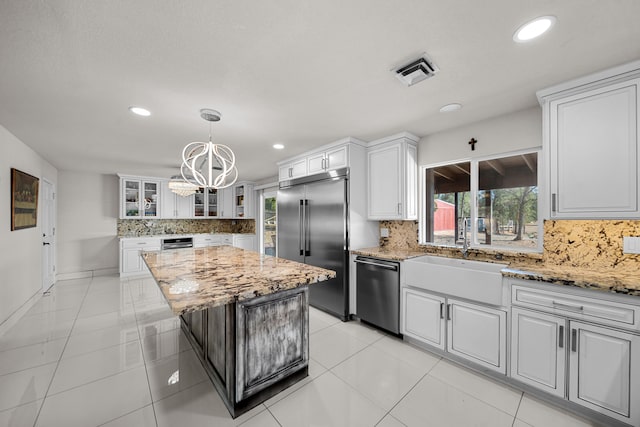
<point>177,243</point>
<point>378,292</point>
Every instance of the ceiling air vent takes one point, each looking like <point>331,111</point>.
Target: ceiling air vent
<point>416,71</point>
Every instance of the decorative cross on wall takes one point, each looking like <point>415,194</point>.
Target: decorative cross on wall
<point>472,142</point>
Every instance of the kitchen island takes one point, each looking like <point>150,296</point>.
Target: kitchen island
<point>245,314</point>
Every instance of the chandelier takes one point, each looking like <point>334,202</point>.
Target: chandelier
<point>181,187</point>
<point>208,165</point>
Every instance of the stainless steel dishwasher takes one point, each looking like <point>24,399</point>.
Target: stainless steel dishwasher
<point>378,292</point>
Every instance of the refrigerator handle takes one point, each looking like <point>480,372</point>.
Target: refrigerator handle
<point>300,227</point>
<point>307,237</point>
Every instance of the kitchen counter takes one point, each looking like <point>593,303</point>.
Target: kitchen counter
<point>196,279</point>
<point>608,280</point>
<point>246,316</point>
<point>390,254</point>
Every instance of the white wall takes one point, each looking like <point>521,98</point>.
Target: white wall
<point>87,224</point>
<point>509,132</point>
<point>20,250</point>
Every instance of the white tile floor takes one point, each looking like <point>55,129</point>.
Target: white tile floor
<point>102,352</point>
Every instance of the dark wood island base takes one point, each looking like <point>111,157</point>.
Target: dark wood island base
<point>252,349</point>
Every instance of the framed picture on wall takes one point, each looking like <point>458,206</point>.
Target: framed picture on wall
<point>24,200</point>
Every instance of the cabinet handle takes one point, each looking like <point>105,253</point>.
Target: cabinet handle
<point>290,172</point>
<point>399,208</point>
<point>442,310</point>
<point>449,314</point>
<point>574,340</point>
<point>142,243</point>
<point>553,202</point>
<point>567,306</point>
<point>561,336</point>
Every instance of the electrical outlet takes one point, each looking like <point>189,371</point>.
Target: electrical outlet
<point>631,245</point>
<point>384,232</point>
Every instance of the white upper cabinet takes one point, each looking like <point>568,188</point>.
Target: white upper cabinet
<point>393,178</point>
<point>335,158</point>
<point>213,203</point>
<point>243,200</point>
<point>173,205</point>
<point>139,197</point>
<point>330,157</point>
<point>292,169</point>
<point>591,142</point>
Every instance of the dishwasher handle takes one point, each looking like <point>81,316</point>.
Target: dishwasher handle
<point>389,266</point>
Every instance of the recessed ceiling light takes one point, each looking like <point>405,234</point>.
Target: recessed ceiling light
<point>450,107</point>
<point>533,29</point>
<point>278,146</point>
<point>140,111</point>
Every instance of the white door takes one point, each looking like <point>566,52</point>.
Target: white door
<point>478,334</point>
<point>315,163</point>
<point>385,183</point>
<point>337,158</point>
<point>184,206</point>
<point>423,317</point>
<point>538,343</point>
<point>48,218</point>
<point>594,146</point>
<point>604,366</point>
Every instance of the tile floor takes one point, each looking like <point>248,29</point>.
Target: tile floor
<point>107,352</point>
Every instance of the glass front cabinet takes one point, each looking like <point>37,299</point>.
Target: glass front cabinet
<point>208,203</point>
<point>139,198</point>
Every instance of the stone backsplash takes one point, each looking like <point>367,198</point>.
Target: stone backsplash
<point>150,227</point>
<point>402,235</point>
<point>588,244</point>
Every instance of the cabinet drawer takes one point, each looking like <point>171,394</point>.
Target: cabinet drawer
<point>578,307</point>
<point>142,243</point>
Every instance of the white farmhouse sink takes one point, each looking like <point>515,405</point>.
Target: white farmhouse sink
<point>474,280</point>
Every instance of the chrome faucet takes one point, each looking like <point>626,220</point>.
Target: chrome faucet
<point>465,241</point>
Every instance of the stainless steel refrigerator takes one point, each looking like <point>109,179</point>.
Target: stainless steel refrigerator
<point>313,229</point>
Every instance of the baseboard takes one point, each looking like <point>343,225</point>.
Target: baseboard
<point>87,274</point>
<point>76,275</point>
<point>13,319</point>
<point>106,272</point>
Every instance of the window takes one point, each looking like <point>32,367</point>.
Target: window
<point>448,202</point>
<point>268,223</point>
<point>498,196</point>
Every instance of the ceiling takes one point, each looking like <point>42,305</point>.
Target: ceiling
<point>300,72</point>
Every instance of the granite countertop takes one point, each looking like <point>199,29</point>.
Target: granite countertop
<point>610,280</point>
<point>168,236</point>
<point>392,254</point>
<point>194,279</point>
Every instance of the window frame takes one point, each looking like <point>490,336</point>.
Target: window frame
<point>474,184</point>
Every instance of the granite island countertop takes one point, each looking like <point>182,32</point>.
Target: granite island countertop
<point>194,279</point>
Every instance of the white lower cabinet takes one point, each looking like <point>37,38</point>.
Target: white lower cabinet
<point>472,331</point>
<point>477,333</point>
<point>245,241</point>
<point>131,263</point>
<point>604,367</point>
<point>594,366</point>
<point>538,350</point>
<point>423,317</point>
